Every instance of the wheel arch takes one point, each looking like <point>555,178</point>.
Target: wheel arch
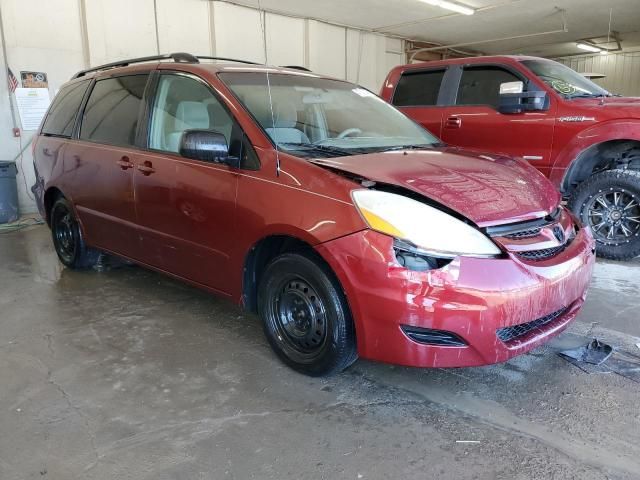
<point>601,156</point>
<point>50,196</point>
<point>259,256</point>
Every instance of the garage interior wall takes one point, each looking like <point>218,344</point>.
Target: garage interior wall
<point>65,36</point>
<point>622,70</point>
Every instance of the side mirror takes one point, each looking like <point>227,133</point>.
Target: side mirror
<point>206,145</point>
<point>513,98</point>
<point>511,87</point>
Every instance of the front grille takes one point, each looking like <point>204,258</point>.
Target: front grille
<point>514,332</point>
<point>530,225</point>
<point>529,233</point>
<point>538,255</point>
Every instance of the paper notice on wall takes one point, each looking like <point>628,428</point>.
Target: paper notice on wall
<point>32,106</point>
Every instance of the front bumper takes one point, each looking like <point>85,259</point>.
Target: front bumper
<point>471,297</point>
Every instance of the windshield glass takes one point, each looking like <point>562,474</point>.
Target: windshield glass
<point>320,117</point>
<point>565,81</point>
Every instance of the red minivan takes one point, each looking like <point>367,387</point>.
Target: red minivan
<point>349,229</point>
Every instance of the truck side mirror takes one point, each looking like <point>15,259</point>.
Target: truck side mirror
<point>513,98</point>
<point>511,87</point>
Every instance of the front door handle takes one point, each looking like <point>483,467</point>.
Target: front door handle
<point>453,122</point>
<point>125,163</point>
<point>146,168</point>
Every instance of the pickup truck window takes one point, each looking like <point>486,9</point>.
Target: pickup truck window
<point>565,81</point>
<point>418,89</point>
<point>481,85</point>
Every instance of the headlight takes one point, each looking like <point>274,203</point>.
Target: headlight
<point>426,227</point>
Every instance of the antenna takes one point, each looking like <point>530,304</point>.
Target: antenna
<point>266,61</point>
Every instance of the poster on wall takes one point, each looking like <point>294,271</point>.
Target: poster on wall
<point>34,80</point>
<point>32,106</point>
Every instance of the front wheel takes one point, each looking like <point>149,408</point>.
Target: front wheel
<point>67,237</point>
<point>306,316</point>
<point>609,203</point>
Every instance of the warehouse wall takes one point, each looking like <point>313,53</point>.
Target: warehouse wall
<point>63,36</point>
<point>622,70</point>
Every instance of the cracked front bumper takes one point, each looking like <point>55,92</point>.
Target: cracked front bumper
<point>471,298</point>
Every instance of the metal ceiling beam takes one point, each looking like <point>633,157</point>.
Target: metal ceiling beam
<point>564,29</point>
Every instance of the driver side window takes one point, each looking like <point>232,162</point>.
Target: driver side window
<point>481,85</point>
<point>183,103</point>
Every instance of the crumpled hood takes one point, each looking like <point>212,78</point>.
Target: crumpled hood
<point>488,189</point>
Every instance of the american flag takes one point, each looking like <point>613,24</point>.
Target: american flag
<point>13,81</point>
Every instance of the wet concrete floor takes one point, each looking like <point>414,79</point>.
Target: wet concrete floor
<point>126,374</point>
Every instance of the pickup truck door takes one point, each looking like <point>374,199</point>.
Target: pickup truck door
<point>418,95</point>
<point>473,120</point>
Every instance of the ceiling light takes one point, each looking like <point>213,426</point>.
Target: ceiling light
<point>588,47</point>
<point>454,7</point>
<point>604,52</point>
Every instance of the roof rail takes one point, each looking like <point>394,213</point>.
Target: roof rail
<point>296,67</point>
<point>228,59</point>
<point>179,57</point>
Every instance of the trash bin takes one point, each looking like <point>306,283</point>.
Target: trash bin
<point>8,192</point>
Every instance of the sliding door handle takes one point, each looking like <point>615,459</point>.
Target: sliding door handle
<point>146,168</point>
<point>125,163</point>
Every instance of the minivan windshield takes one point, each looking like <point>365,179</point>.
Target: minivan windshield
<point>565,81</point>
<point>318,117</point>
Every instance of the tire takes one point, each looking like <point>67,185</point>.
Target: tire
<point>305,315</point>
<point>67,237</point>
<point>609,203</point>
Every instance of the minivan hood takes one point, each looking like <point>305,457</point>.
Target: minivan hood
<point>488,189</point>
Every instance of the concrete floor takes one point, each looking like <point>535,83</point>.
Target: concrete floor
<point>126,374</point>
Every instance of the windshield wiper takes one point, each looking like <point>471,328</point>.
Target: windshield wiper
<point>587,95</point>
<point>416,146</point>
<point>317,148</point>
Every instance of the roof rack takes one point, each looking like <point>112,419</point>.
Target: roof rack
<point>297,67</point>
<point>179,57</point>
<point>226,59</point>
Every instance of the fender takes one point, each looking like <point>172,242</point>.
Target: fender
<point>619,129</point>
<point>50,186</point>
<point>244,250</point>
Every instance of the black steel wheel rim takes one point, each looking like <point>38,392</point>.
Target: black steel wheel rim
<point>299,317</point>
<point>64,234</point>
<point>614,216</point>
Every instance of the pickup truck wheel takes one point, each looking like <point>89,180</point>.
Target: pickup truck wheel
<point>609,203</point>
<point>67,237</point>
<point>305,315</point>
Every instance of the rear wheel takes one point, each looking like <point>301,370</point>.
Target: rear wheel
<point>67,237</point>
<point>306,316</point>
<point>609,203</point>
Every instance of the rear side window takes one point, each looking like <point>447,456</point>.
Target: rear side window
<point>111,114</point>
<point>481,85</point>
<point>418,88</point>
<point>62,114</point>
